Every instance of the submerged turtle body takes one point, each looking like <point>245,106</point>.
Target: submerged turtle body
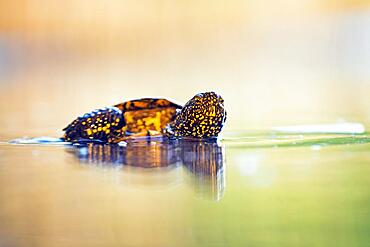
<point>202,117</point>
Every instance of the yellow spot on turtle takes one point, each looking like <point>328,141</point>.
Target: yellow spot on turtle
<point>95,130</point>
<point>88,131</point>
<point>83,123</point>
<point>155,121</point>
<point>99,129</point>
<point>117,120</point>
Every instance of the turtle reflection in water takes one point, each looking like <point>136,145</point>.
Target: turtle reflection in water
<point>203,159</point>
<point>202,117</point>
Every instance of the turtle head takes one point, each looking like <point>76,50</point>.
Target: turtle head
<point>203,116</point>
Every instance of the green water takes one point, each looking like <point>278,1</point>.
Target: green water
<point>254,190</point>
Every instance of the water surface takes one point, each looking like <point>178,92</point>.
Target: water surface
<point>268,190</point>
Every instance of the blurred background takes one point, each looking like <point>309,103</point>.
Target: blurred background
<point>274,62</point>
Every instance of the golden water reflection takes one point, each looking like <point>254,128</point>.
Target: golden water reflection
<point>204,161</point>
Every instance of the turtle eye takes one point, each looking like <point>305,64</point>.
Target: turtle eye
<point>197,98</point>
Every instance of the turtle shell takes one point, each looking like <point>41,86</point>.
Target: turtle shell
<point>128,118</point>
<point>147,114</point>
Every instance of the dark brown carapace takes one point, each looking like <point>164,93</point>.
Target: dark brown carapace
<point>202,117</point>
